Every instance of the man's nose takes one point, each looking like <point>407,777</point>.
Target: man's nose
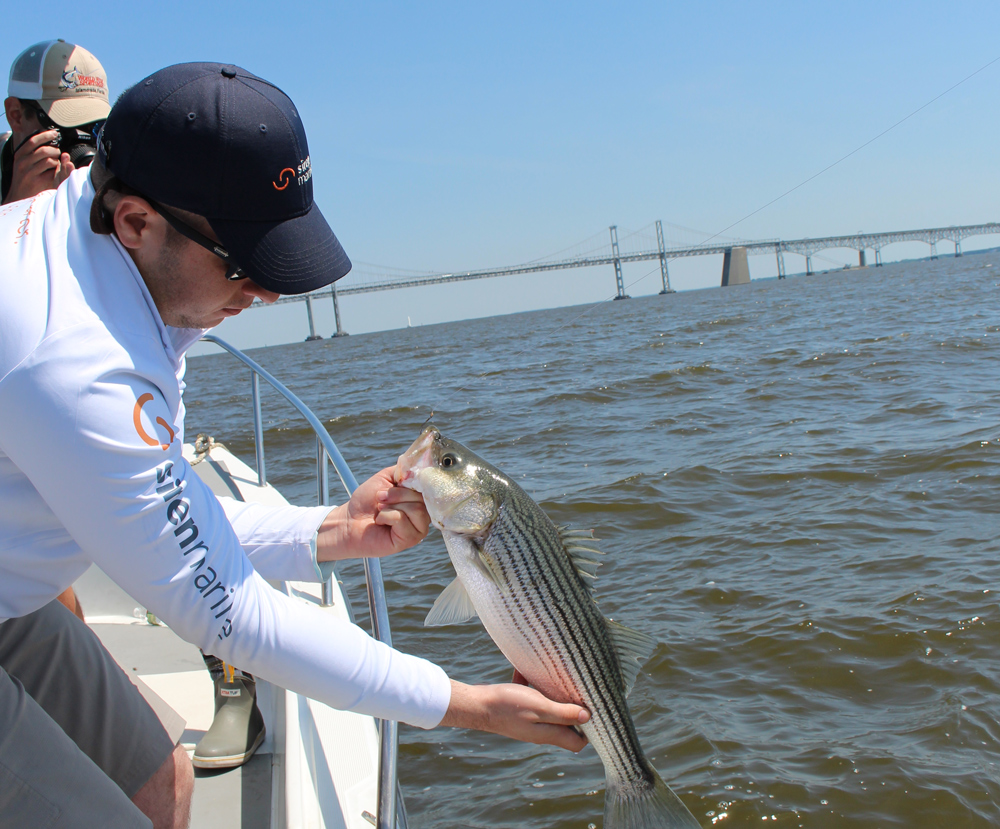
<point>253,289</point>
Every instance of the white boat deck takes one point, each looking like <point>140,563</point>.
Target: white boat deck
<point>317,766</point>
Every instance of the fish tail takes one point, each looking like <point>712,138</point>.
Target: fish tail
<point>646,804</point>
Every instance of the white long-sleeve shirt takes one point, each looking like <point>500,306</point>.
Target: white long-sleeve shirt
<point>91,432</point>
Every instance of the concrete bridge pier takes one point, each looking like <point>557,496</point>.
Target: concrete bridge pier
<point>781,261</point>
<point>809,265</point>
<point>861,259</point>
<point>735,270</point>
<point>340,332</point>
<point>878,257</point>
<point>618,264</point>
<point>958,248</point>
<point>312,328</point>
<point>664,273</point>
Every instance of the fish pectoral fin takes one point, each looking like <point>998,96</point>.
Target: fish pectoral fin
<point>489,567</point>
<point>452,607</point>
<point>633,648</point>
<point>586,560</point>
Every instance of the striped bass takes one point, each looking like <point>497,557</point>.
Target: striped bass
<point>530,583</point>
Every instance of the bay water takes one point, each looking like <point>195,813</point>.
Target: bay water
<point>796,484</point>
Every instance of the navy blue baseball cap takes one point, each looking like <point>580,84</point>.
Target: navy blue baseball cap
<point>222,143</point>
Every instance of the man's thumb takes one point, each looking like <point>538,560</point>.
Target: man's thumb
<point>65,168</point>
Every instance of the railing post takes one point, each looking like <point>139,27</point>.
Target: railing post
<point>258,428</point>
<point>323,496</point>
<point>388,729</point>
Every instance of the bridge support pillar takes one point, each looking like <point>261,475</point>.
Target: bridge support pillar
<point>735,270</point>
<point>958,247</point>
<point>809,265</point>
<point>933,250</point>
<point>340,332</point>
<point>618,264</point>
<point>861,259</point>
<point>663,259</point>
<point>878,257</point>
<point>780,256</point>
<point>312,328</point>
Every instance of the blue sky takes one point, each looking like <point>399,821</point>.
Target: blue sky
<point>453,136</point>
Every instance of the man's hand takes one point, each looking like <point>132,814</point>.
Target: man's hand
<point>516,711</point>
<point>38,166</point>
<point>380,519</point>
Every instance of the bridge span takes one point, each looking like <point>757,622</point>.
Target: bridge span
<point>639,247</point>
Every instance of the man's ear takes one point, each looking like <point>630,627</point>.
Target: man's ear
<point>12,109</point>
<point>136,223</point>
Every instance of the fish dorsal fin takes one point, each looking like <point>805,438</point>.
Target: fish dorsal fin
<point>586,559</point>
<point>633,648</point>
<point>452,607</point>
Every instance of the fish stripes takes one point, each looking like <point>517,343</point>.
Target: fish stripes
<point>559,591</point>
<point>535,600</point>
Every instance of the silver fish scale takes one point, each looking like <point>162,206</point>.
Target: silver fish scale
<point>555,635</point>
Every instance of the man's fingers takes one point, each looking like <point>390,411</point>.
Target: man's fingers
<point>38,140</point>
<point>561,736</point>
<point>566,713</point>
<point>410,527</point>
<point>560,725</point>
<point>395,518</point>
<point>393,507</point>
<point>400,495</point>
<point>65,168</point>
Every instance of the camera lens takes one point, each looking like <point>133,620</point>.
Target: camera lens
<point>79,143</point>
<point>81,155</point>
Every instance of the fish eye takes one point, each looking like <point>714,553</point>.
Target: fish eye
<point>448,461</point>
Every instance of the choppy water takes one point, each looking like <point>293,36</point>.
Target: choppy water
<point>796,483</point>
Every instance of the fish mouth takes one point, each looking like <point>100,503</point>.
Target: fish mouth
<point>419,456</point>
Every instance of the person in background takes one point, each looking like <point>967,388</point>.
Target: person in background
<point>57,100</point>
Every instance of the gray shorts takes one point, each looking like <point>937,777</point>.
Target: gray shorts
<point>77,739</point>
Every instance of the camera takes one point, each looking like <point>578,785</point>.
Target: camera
<point>79,142</point>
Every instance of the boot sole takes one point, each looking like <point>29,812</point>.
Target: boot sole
<point>228,761</point>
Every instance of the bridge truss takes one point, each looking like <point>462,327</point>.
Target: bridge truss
<point>634,250</point>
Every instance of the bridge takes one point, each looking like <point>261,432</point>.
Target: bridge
<point>640,246</point>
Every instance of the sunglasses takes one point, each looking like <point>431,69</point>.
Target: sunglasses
<point>233,271</point>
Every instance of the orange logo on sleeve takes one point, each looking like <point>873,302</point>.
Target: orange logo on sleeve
<point>284,179</point>
<point>146,437</point>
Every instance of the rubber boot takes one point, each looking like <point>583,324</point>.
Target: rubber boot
<point>238,728</point>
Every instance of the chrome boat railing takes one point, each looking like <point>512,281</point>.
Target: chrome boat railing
<point>390,801</point>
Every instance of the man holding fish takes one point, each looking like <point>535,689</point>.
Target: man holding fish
<point>199,202</point>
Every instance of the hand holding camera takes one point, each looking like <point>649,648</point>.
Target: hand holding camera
<point>39,164</point>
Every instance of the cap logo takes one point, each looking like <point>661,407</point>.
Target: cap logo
<point>285,176</point>
<point>72,79</point>
<point>301,174</point>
